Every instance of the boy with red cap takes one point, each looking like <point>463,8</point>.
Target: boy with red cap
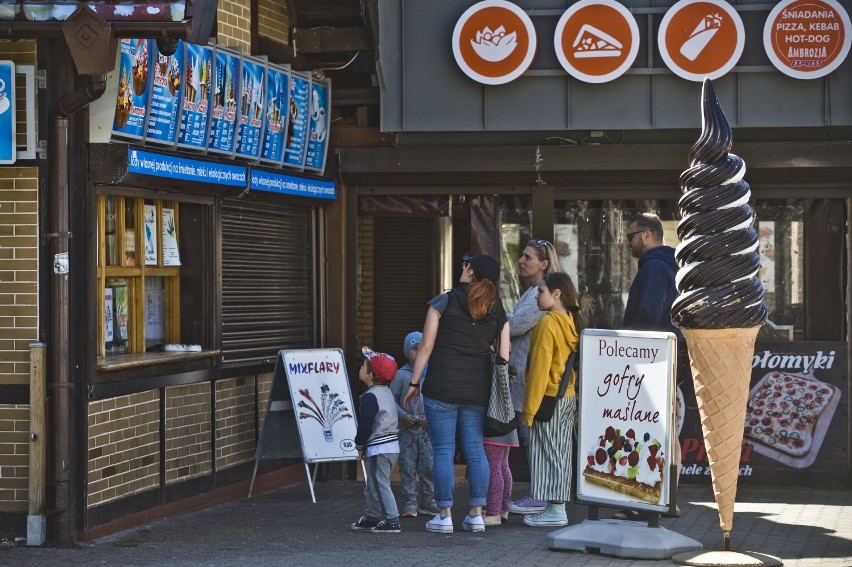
<point>377,437</point>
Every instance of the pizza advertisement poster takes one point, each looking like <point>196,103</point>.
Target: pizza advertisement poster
<point>797,418</point>
<point>626,418</point>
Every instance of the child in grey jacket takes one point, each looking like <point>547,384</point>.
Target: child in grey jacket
<point>377,439</point>
<point>415,446</point>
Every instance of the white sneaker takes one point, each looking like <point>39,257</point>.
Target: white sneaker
<point>175,348</point>
<point>553,516</point>
<point>440,525</point>
<point>473,524</point>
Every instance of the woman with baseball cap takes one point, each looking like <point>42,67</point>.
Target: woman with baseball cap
<point>461,327</point>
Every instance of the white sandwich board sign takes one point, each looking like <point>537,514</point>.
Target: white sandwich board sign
<point>626,420</point>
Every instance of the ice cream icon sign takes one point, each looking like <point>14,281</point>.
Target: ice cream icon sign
<point>494,45</point>
<point>330,409</point>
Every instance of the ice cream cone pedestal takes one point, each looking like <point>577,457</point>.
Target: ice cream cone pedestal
<point>721,370</point>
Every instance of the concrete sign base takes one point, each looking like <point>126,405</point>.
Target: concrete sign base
<point>634,540</point>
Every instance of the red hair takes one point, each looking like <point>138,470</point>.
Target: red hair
<point>481,295</point>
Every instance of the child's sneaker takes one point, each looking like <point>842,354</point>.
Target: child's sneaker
<point>493,520</point>
<point>440,525</point>
<point>385,527</point>
<point>365,524</point>
<point>527,505</point>
<point>473,524</point>
<point>410,511</point>
<point>429,508</point>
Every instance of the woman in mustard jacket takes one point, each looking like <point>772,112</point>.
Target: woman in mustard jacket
<point>553,339</point>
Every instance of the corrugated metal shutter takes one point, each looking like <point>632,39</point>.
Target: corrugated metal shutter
<point>404,272</point>
<point>266,281</point>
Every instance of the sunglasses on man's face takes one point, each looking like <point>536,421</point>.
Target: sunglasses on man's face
<point>630,235</point>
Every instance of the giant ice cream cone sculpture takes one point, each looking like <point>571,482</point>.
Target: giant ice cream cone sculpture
<point>720,307</point>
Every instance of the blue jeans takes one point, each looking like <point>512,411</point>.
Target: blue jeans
<point>444,420</point>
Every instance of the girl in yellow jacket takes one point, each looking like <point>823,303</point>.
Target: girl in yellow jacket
<point>553,339</point>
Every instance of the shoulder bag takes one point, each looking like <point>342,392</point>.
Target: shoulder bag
<point>548,403</point>
<point>500,417</point>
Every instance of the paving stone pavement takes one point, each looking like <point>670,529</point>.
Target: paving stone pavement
<point>802,527</point>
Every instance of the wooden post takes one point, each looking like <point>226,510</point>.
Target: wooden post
<point>36,520</point>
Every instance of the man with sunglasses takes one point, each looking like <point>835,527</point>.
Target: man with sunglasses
<point>649,304</point>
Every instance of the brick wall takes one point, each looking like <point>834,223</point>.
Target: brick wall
<point>364,312</point>
<point>264,388</point>
<point>233,26</point>
<point>235,422</point>
<point>18,271</point>
<point>14,458</point>
<point>273,21</point>
<point>124,446</point>
<point>189,438</point>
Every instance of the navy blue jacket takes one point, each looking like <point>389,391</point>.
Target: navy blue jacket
<point>649,305</point>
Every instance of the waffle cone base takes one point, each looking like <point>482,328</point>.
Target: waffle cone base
<point>721,371</point>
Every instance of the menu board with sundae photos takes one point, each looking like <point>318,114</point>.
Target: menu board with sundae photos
<point>195,109</point>
<point>277,85</point>
<point>166,91</point>
<point>252,95</point>
<point>319,118</point>
<point>225,108</point>
<point>626,419</point>
<point>131,102</point>
<point>298,120</point>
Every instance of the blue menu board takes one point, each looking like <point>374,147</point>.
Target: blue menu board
<point>277,88</point>
<point>252,94</point>
<point>320,119</point>
<point>195,111</point>
<point>131,102</point>
<point>8,128</point>
<point>225,111</point>
<point>297,127</point>
<point>166,93</point>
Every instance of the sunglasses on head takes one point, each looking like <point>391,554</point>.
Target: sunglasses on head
<point>466,260</point>
<point>544,243</point>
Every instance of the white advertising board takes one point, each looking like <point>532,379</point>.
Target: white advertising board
<point>322,402</point>
<point>626,418</point>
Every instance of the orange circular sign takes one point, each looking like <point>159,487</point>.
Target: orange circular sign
<point>596,40</point>
<point>807,39</point>
<point>701,38</point>
<point>494,42</point>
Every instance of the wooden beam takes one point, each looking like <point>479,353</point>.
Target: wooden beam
<point>331,40</point>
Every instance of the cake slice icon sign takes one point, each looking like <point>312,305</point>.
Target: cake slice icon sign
<point>592,42</point>
<point>701,36</point>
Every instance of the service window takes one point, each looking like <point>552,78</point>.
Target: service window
<point>148,271</point>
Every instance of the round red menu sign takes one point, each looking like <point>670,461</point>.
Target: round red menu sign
<point>494,42</point>
<point>807,39</point>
